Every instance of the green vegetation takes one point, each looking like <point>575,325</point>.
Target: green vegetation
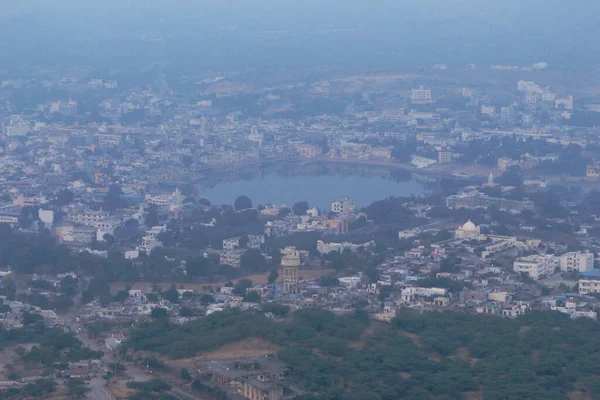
<point>153,389</point>
<point>542,355</point>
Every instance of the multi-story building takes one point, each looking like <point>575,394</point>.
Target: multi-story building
<point>576,261</point>
<point>444,156</point>
<point>345,206</point>
<point>308,150</point>
<point>290,264</point>
<point>505,163</point>
<point>87,217</point>
<point>150,240</point>
<point>420,95</point>
<point>233,258</point>
<point>325,248</point>
<point>254,242</point>
<point>589,281</point>
<point>254,389</point>
<point>498,244</point>
<point>593,170</point>
<point>536,266</point>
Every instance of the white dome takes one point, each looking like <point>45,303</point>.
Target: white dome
<point>469,226</point>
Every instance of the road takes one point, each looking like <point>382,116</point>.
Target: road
<point>97,386</point>
<point>98,390</point>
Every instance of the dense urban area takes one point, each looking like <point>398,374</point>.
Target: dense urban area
<point>121,280</point>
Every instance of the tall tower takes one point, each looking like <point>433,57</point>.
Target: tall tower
<point>290,264</point>
<point>491,179</point>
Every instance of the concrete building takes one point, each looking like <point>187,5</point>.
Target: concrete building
<point>325,248</point>
<point>254,389</point>
<point>499,244</point>
<point>444,156</point>
<point>421,95</point>
<point>565,103</point>
<point>87,217</point>
<point>505,163</point>
<point>422,162</point>
<point>468,231</point>
<point>233,258</point>
<point>589,281</point>
<point>344,206</point>
<point>576,261</point>
<point>290,263</point>
<point>150,240</point>
<point>536,266</point>
<point>593,170</point>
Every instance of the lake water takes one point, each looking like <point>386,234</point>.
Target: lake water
<point>319,184</point>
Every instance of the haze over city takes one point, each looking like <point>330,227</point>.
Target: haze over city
<point>316,200</point>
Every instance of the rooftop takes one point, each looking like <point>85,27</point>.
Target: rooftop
<point>592,273</point>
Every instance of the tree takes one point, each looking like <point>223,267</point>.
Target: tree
<point>243,242</point>
<point>512,177</point>
<point>253,260</point>
<point>273,276</point>
<point>252,297</point>
<point>172,295</point>
<point>151,218</point>
<point>300,208</point>
<point>450,264</point>
<point>242,203</point>
<point>278,310</point>
<point>31,318</point>
<point>204,202</point>
<point>185,374</point>
<point>241,286</point>
<point>117,368</point>
<point>186,160</point>
<point>207,299</point>
<point>108,238</point>
<point>64,197</point>
<point>152,297</point>
<point>159,313</point>
<point>372,274</point>
<point>186,312</point>
<point>284,212</point>
<point>121,296</point>
<point>113,199</point>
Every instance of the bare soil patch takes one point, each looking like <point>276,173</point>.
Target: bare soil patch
<point>415,338</point>
<point>250,347</point>
<point>523,330</point>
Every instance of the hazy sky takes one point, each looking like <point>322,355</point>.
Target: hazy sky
<point>257,33</point>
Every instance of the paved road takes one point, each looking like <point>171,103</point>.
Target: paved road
<point>98,390</point>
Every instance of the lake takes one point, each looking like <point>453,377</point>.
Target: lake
<point>319,184</point>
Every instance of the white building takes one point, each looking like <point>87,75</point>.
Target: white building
<point>150,240</point>
<point>576,261</point>
<point>163,200</point>
<point>350,282</point>
<point>410,294</point>
<point>488,110</point>
<point>46,216</point>
<point>564,103</point>
<point>468,231</point>
<point>420,95</point>
<point>589,282</point>
<point>537,266</point>
<point>325,248</point>
<point>422,162</point>
<point>233,258</point>
<point>254,242</point>
<point>87,217</point>
<point>345,206</point>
